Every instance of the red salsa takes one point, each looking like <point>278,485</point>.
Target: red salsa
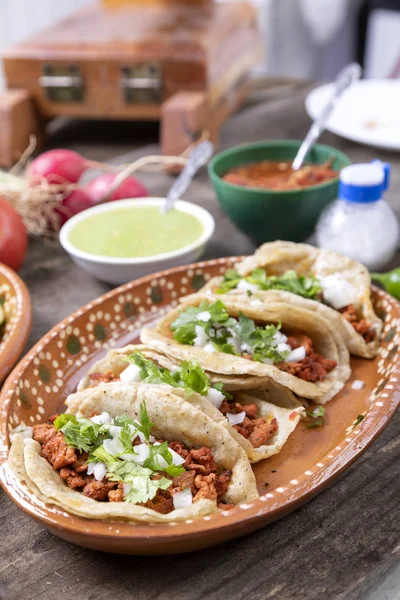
<point>279,175</point>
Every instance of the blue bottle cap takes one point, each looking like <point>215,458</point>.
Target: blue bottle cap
<point>364,182</point>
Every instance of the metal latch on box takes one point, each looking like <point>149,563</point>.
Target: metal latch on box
<point>141,84</point>
<point>62,83</point>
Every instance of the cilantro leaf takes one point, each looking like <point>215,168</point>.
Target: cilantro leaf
<point>306,286</point>
<point>142,487</point>
<point>101,455</point>
<point>193,377</point>
<point>319,411</point>
<point>79,432</point>
<point>146,425</point>
<point>317,416</point>
<point>190,375</point>
<point>161,450</point>
<point>220,387</point>
<point>358,420</point>
<point>224,331</point>
<point>184,326</point>
<point>150,372</point>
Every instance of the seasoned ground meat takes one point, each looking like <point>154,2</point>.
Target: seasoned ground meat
<point>206,487</point>
<point>225,506</point>
<point>117,495</point>
<point>98,490</point>
<point>201,473</point>
<point>54,447</point>
<point>313,367</point>
<point>221,484</point>
<point>262,431</point>
<point>257,431</point>
<point>362,326</point>
<point>181,482</point>
<point>162,502</point>
<point>80,465</point>
<point>73,479</point>
<point>203,461</point>
<point>106,377</point>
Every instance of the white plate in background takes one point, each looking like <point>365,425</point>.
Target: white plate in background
<point>368,112</point>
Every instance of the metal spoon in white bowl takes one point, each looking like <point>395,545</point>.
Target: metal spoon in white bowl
<point>197,158</point>
<point>344,79</point>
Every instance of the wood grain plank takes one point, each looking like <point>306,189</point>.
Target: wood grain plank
<point>335,548</point>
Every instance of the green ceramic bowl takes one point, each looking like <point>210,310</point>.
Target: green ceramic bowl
<point>267,215</point>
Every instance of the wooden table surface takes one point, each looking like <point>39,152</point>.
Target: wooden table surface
<point>345,544</point>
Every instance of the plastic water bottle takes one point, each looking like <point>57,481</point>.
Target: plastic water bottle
<point>360,224</point>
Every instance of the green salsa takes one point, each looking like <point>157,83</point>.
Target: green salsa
<point>135,232</point>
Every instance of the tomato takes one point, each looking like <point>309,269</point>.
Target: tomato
<point>13,236</point>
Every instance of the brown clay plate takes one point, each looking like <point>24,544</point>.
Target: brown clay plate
<point>309,462</point>
<point>15,299</point>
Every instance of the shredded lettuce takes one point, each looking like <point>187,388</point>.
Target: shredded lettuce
<point>306,286</point>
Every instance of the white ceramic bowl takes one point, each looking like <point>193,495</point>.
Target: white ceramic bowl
<point>122,270</point>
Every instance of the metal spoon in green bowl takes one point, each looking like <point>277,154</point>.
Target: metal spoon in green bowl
<point>346,77</point>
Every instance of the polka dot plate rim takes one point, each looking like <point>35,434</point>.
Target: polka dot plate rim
<point>308,463</point>
<point>16,302</point>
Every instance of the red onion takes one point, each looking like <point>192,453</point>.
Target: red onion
<point>57,166</point>
<point>99,187</point>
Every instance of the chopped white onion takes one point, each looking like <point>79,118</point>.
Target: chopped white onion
<point>131,374</point>
<point>204,316</point>
<point>142,437</point>
<point>161,462</point>
<point>338,292</point>
<point>246,286</point>
<point>127,488</point>
<point>246,348</point>
<point>210,348</point>
<point>236,343</point>
<point>215,397</point>
<point>282,347</point>
<point>182,499</point>
<point>296,355</point>
<point>280,338</point>
<point>102,419</point>
<point>201,338</point>
<point>99,471</point>
<point>142,452</point>
<point>113,446</point>
<point>235,419</point>
<point>357,384</point>
<point>177,459</point>
<point>115,431</point>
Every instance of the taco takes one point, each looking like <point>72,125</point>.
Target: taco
<point>335,287</point>
<point>136,453</point>
<point>261,427</point>
<point>292,346</point>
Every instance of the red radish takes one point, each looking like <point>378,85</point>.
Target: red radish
<point>100,186</point>
<point>74,203</point>
<point>57,166</point>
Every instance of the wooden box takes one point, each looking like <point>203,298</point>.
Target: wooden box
<point>130,61</point>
